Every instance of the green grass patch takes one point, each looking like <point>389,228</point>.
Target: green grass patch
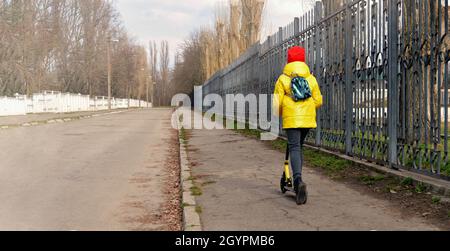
<point>407,182</point>
<point>446,169</point>
<point>199,209</point>
<point>196,191</point>
<point>183,135</point>
<point>331,164</point>
<point>184,205</point>
<point>436,199</point>
<point>247,131</point>
<point>420,188</point>
<point>371,180</point>
<point>279,145</point>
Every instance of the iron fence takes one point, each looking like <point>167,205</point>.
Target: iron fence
<point>383,69</point>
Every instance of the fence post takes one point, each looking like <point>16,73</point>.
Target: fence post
<point>393,83</point>
<point>348,82</point>
<point>297,30</point>
<point>279,67</point>
<point>280,36</point>
<point>318,62</point>
<point>281,64</point>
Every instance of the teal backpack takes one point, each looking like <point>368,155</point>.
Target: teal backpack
<point>300,89</point>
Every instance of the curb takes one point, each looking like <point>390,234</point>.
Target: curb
<point>191,219</point>
<point>440,187</point>
<point>60,120</point>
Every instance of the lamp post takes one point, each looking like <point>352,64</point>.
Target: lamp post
<point>148,90</point>
<point>108,52</point>
<point>153,93</point>
<point>141,78</point>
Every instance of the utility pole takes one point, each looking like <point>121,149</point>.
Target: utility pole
<point>155,88</point>
<point>108,55</point>
<point>108,44</point>
<point>148,90</point>
<point>160,93</point>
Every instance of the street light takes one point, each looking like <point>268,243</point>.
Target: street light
<point>148,89</point>
<point>108,52</point>
<point>153,94</point>
<point>140,94</point>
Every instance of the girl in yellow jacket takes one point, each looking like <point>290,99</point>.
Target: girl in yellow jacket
<point>298,117</point>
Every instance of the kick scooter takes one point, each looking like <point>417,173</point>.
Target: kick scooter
<point>287,182</point>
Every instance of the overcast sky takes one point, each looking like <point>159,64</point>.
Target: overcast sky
<point>173,20</point>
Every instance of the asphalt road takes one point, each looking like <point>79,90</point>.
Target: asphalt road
<point>103,173</point>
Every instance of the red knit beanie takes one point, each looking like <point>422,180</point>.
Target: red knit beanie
<point>296,54</point>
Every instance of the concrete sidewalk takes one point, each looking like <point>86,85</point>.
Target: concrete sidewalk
<point>240,191</point>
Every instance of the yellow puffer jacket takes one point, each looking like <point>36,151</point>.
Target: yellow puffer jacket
<point>300,114</point>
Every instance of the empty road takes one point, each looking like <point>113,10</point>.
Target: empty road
<point>103,173</point>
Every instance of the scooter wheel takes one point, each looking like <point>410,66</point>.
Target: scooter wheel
<point>283,184</point>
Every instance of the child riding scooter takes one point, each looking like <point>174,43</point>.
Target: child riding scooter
<point>296,99</point>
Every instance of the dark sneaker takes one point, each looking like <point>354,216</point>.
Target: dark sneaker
<point>297,184</point>
<point>302,194</point>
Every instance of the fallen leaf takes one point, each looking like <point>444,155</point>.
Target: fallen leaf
<point>426,214</point>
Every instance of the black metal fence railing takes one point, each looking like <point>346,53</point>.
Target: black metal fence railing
<point>383,69</point>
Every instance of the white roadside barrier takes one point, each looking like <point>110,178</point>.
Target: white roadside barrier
<point>57,102</point>
<point>13,106</point>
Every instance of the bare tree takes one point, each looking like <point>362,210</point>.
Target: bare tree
<point>235,21</point>
<point>251,22</point>
<point>189,69</point>
<point>61,45</point>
